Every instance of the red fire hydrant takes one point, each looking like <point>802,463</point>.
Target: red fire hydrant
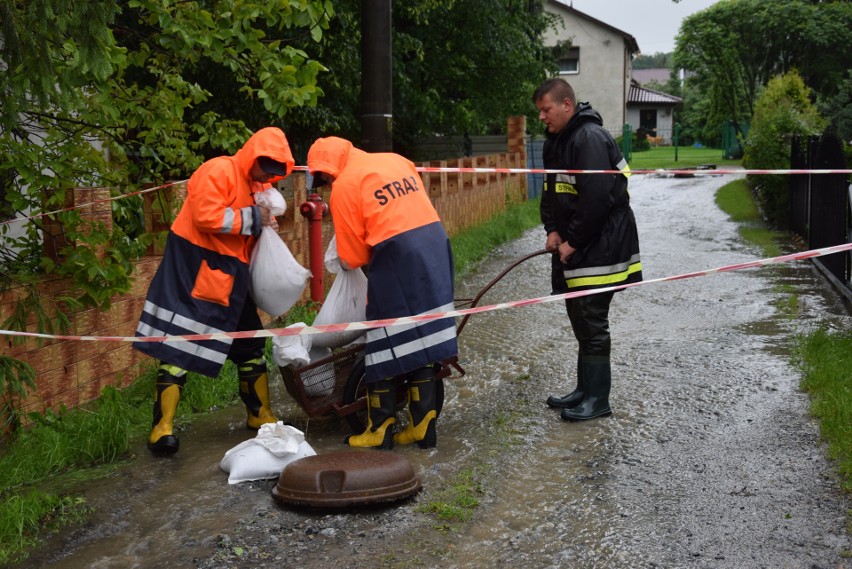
<point>314,209</point>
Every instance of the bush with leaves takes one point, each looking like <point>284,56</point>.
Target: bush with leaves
<point>783,109</point>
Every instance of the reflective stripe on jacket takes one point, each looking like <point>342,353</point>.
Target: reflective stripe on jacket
<point>410,274</point>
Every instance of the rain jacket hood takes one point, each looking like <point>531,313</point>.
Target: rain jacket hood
<point>328,155</point>
<point>269,141</point>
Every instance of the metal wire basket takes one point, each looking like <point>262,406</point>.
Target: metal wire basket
<point>318,387</point>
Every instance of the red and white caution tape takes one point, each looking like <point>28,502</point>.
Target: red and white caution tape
<point>675,172</point>
<point>452,170</point>
<point>437,315</point>
<point>688,171</point>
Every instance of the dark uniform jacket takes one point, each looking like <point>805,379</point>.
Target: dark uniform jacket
<point>590,211</point>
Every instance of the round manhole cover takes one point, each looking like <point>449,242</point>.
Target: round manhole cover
<point>346,478</point>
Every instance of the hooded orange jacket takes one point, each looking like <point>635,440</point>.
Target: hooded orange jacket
<point>375,196</point>
<point>203,281</point>
<point>217,213</point>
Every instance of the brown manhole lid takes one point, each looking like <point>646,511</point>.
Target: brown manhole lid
<point>346,478</point>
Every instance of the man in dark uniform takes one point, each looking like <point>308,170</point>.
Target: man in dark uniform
<point>592,233</point>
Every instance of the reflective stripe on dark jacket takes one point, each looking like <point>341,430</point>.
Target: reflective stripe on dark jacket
<point>590,211</point>
<point>187,299</point>
<point>202,283</point>
<point>410,274</point>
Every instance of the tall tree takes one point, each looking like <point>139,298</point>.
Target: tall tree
<point>465,65</point>
<point>48,50</point>
<point>736,46</point>
<point>119,95</point>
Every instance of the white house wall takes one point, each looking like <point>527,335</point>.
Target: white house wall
<point>603,79</point>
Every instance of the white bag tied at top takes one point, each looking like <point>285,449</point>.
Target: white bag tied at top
<point>277,278</point>
<point>265,456</point>
<point>346,302</point>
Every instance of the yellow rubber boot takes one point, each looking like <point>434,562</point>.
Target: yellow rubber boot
<point>381,415</point>
<point>422,415</point>
<point>162,440</point>
<point>254,391</point>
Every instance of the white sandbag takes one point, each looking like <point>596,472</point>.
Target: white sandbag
<point>277,278</point>
<point>265,456</point>
<point>331,260</point>
<point>292,350</point>
<point>319,381</point>
<point>346,302</point>
<point>271,199</point>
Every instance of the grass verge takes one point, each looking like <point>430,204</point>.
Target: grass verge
<point>826,362</point>
<point>736,200</point>
<point>474,244</point>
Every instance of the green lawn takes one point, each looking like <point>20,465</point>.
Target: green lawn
<point>687,157</point>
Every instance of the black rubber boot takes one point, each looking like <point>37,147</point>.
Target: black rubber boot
<point>575,397</point>
<point>162,440</point>
<point>597,379</point>
<point>381,415</point>
<point>422,415</point>
<point>254,391</point>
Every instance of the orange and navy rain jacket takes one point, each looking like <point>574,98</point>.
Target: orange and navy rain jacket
<point>383,218</point>
<point>203,280</point>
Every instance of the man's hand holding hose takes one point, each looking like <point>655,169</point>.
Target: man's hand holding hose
<point>555,244</point>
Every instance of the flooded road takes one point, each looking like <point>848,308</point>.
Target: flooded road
<point>709,460</point>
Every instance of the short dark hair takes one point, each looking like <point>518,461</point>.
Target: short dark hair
<point>559,89</point>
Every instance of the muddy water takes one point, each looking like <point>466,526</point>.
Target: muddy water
<point>710,458</point>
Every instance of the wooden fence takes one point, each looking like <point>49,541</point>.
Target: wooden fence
<point>73,372</point>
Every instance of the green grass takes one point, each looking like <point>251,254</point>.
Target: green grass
<point>826,363</point>
<point>472,245</point>
<point>80,440</point>
<point>687,157</point>
<point>735,199</point>
<point>457,501</point>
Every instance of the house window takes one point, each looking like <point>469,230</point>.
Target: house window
<point>569,64</point>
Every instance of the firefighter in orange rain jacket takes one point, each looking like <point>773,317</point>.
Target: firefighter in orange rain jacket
<point>383,218</point>
<point>202,283</point>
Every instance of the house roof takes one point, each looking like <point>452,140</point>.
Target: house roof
<point>641,95</point>
<point>629,39</point>
<point>658,74</point>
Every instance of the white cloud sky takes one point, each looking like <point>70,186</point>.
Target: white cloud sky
<point>654,23</point>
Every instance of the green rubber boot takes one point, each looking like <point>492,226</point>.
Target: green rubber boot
<point>575,397</point>
<point>597,379</point>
